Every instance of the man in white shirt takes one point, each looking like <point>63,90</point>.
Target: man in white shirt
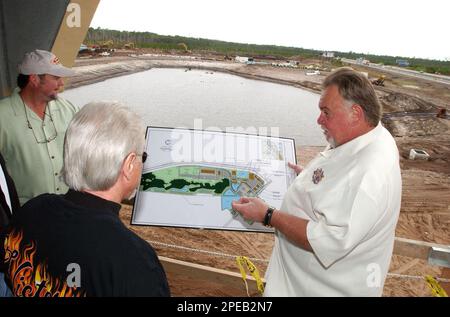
<point>336,227</point>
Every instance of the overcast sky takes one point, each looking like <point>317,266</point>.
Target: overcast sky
<point>410,28</point>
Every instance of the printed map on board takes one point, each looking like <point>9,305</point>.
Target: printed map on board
<point>191,177</point>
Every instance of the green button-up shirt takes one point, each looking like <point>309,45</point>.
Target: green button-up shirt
<point>33,163</point>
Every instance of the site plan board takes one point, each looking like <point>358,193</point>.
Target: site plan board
<point>191,177</point>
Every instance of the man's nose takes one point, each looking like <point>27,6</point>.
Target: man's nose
<point>320,119</point>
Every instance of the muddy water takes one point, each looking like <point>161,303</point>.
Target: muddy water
<point>210,100</point>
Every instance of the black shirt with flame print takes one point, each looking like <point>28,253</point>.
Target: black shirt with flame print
<point>75,245</point>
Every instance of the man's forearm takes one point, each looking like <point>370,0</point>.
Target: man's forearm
<point>294,228</point>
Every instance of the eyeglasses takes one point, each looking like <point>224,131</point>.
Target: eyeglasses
<point>45,140</point>
<point>144,156</point>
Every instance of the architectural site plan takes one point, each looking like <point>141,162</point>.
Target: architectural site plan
<point>191,177</point>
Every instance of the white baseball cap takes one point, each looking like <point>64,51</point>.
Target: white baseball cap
<point>43,62</point>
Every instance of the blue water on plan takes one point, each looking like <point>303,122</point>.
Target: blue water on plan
<point>227,198</point>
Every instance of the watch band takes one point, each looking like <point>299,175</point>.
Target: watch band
<point>268,217</point>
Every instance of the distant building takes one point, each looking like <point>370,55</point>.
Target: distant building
<point>328,54</point>
<point>244,59</point>
<point>362,60</point>
<point>402,62</point>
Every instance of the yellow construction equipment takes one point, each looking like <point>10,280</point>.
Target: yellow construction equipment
<point>184,47</point>
<point>379,81</point>
<point>107,44</point>
<point>129,45</point>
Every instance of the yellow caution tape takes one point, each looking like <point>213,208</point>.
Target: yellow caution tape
<point>243,261</point>
<point>436,289</point>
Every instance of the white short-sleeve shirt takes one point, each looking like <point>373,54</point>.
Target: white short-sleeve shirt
<point>351,197</point>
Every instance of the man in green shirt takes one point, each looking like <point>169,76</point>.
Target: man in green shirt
<point>33,122</point>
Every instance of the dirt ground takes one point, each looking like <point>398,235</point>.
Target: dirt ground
<point>410,107</point>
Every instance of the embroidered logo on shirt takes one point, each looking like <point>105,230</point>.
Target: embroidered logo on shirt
<point>317,176</point>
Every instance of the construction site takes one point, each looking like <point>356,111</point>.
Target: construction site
<point>203,262</point>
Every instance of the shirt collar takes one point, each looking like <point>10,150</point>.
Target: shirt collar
<point>354,146</point>
<point>91,201</point>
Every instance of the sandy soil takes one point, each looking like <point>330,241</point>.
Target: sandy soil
<point>410,107</point>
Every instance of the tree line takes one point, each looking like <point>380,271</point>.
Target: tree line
<point>98,36</point>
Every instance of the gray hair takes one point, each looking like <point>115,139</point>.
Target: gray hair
<point>356,88</point>
<point>98,139</point>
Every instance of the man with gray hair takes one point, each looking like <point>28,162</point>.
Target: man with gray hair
<point>75,244</point>
<point>33,121</point>
<point>334,234</point>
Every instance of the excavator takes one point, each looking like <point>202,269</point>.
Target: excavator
<point>379,81</point>
<point>129,45</point>
<point>184,47</point>
<point>107,44</point>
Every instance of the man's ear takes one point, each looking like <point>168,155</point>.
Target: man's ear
<point>128,165</point>
<point>34,80</point>
<point>357,113</point>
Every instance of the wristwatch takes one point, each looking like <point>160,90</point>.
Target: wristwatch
<point>268,217</point>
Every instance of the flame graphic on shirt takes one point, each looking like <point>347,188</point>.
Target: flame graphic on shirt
<point>28,278</point>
